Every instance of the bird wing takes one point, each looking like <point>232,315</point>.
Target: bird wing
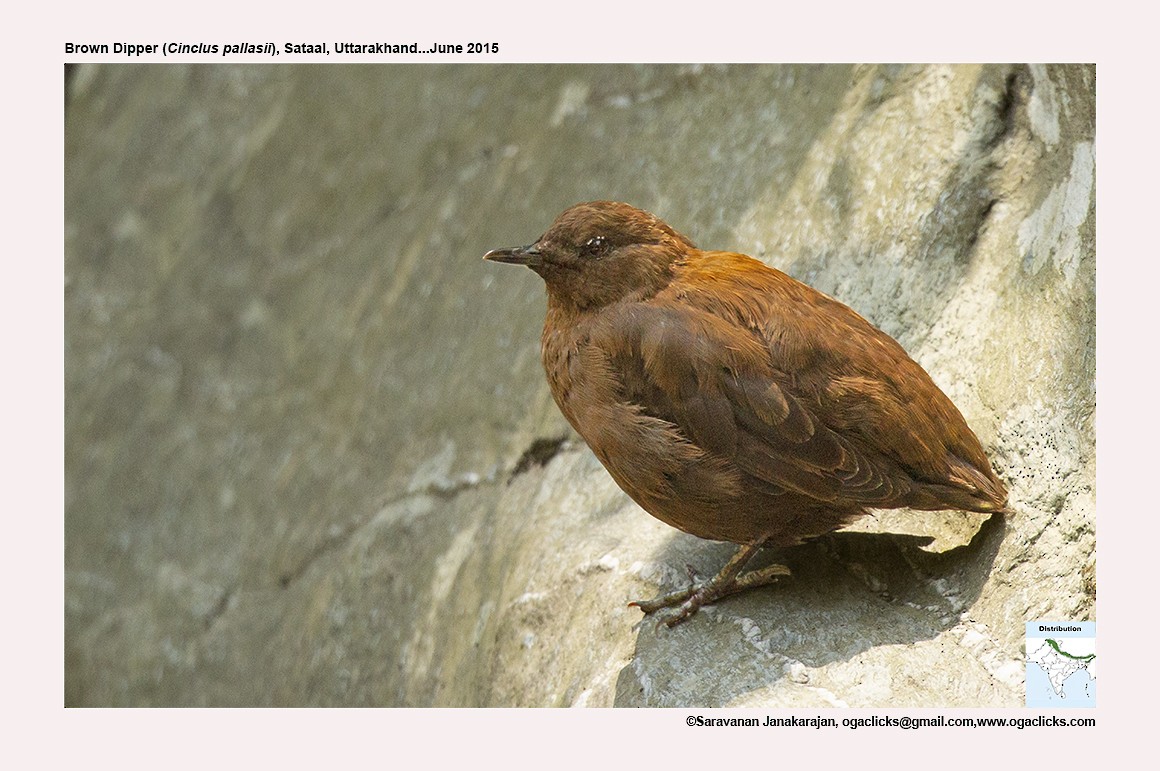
<point>717,384</point>
<point>871,425</point>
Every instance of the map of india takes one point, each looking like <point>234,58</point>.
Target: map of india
<point>1061,668</point>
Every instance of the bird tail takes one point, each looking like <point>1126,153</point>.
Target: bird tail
<point>967,488</point>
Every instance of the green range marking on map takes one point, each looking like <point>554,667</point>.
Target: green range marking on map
<point>1062,652</point>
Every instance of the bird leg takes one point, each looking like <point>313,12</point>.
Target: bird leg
<point>725,583</point>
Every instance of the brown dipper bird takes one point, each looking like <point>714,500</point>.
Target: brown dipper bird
<point>734,402</point>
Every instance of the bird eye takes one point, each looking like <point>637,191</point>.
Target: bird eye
<point>595,246</point>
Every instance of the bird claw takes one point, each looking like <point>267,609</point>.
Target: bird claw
<point>726,583</point>
<point>664,600</point>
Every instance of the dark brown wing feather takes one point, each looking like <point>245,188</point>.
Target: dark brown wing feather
<point>841,415</point>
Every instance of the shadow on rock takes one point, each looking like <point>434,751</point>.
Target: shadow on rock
<point>849,593</point>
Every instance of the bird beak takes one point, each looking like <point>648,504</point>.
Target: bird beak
<point>516,255</point>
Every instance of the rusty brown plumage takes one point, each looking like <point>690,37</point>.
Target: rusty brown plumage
<point>732,401</point>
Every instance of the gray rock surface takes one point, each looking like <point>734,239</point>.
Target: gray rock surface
<point>311,458</point>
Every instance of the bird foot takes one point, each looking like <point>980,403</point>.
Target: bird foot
<point>664,600</point>
<point>724,584</point>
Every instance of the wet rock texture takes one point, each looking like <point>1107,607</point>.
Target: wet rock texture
<point>311,458</point>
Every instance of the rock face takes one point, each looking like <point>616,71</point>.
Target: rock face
<point>311,458</point>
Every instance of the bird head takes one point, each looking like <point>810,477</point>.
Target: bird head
<point>601,252</point>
